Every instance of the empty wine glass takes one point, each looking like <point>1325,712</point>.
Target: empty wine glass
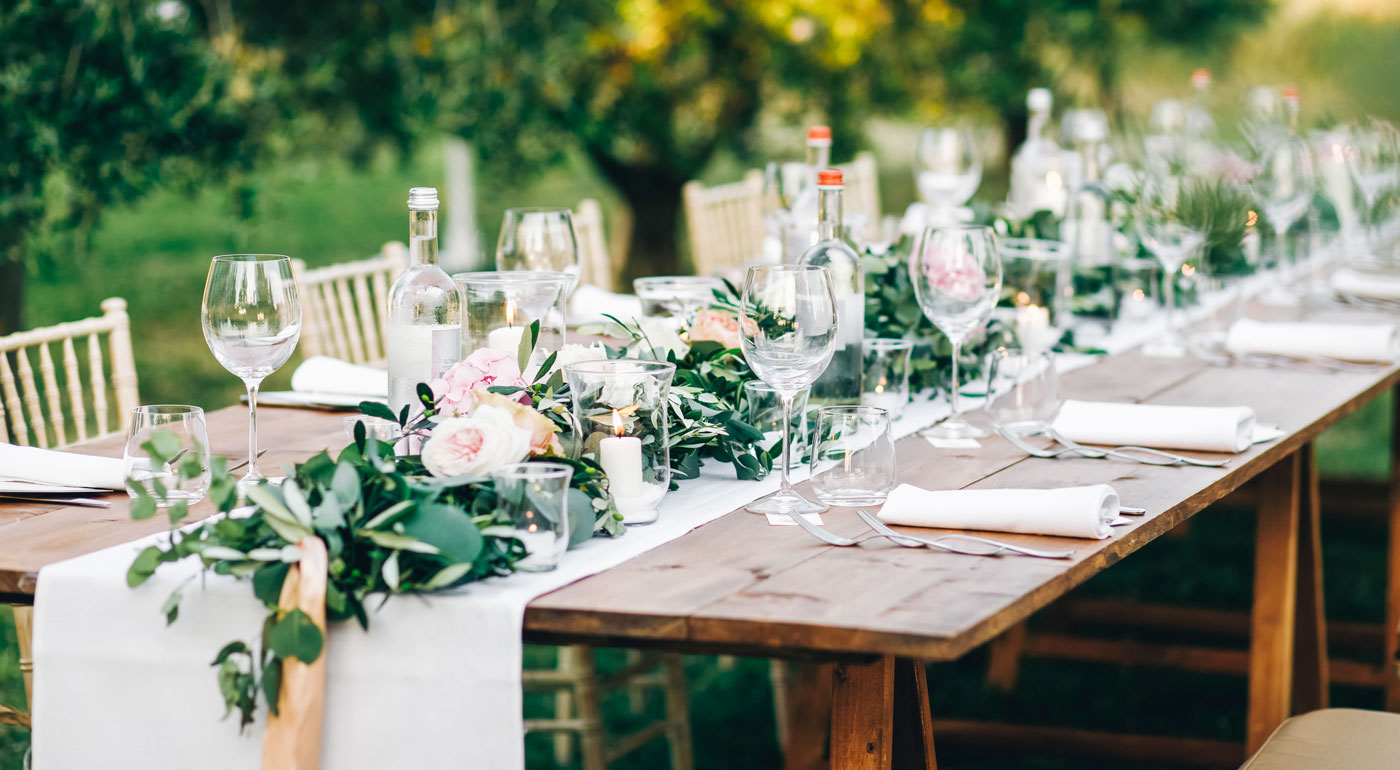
<point>956,272</point>
<point>1284,187</point>
<point>787,319</point>
<point>538,239</point>
<point>947,170</point>
<point>251,321</point>
<point>1168,229</point>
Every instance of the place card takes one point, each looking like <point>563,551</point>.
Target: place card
<point>954,443</point>
<point>784,520</point>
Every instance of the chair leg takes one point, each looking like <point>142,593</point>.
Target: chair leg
<point>564,706</point>
<point>589,693</point>
<point>24,629</point>
<point>778,677</point>
<point>636,695</point>
<point>677,713</point>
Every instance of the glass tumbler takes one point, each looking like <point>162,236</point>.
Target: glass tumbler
<point>533,499</point>
<point>168,444</point>
<point>676,296</point>
<point>886,378</point>
<point>853,460</point>
<point>1025,391</point>
<point>500,306</point>
<point>763,409</point>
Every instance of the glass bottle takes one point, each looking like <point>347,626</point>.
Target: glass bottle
<point>1088,231</point>
<point>425,309</point>
<point>1037,177</point>
<point>802,216</point>
<point>841,382</point>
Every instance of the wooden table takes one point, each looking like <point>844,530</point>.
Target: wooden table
<point>737,585</point>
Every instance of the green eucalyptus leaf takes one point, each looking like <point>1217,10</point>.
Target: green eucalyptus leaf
<point>171,607</point>
<point>395,541</point>
<point>144,566</point>
<point>447,528</point>
<point>296,636</point>
<point>162,446</point>
<point>391,571</point>
<point>447,576</point>
<point>345,484</point>
<point>276,514</point>
<point>267,583</point>
<point>229,649</point>
<point>378,409</point>
<point>177,512</point>
<point>143,506</point>
<point>389,515</point>
<point>295,500</point>
<point>272,683</point>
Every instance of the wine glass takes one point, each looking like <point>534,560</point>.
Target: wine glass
<point>948,170</point>
<point>1171,228</point>
<point>787,320</point>
<point>956,272</point>
<point>251,320</point>
<point>539,239</point>
<point>1284,187</point>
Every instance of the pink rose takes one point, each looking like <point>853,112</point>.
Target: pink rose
<point>475,445</point>
<point>954,272</point>
<point>481,369</point>
<point>717,326</point>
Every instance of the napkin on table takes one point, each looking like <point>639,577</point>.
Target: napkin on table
<point>47,466</point>
<point>1368,285</point>
<point>1202,428</point>
<point>590,303</point>
<point>1068,512</point>
<point>323,374</point>
<point>1368,343</point>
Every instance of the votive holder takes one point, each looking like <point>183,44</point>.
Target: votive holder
<point>184,441</point>
<point>885,382</point>
<point>675,296</point>
<point>385,431</point>
<point>621,407</point>
<point>532,499</point>
<point>500,306</point>
<point>853,456</point>
<point>763,409</point>
<point>1138,289</point>
<point>1036,273</point>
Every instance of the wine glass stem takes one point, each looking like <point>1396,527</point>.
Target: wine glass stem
<point>787,399</point>
<point>253,472</point>
<point>953,386</point>
<point>1169,295</point>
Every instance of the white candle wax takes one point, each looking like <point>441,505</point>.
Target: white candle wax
<point>542,547</point>
<point>889,401</point>
<point>505,339</point>
<point>1033,328</point>
<point>621,458</point>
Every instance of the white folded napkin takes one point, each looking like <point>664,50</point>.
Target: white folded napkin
<point>1068,512</point>
<point>1370,343</point>
<point>323,374</point>
<point>590,303</point>
<point>1368,285</point>
<point>1203,428</point>
<point>47,466</point>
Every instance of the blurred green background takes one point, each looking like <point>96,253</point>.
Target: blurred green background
<point>141,138</point>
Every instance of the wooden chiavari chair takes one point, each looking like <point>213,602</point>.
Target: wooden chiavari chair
<point>344,306</point>
<point>725,223</point>
<point>599,268</point>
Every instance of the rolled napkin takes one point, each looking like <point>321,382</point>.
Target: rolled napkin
<point>47,466</point>
<point>1367,343</point>
<point>1068,512</point>
<point>323,374</point>
<point>1203,428</point>
<point>1366,285</point>
<point>590,304</point>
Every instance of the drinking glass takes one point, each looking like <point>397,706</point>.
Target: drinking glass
<point>947,169</point>
<point>1025,391</point>
<point>251,321</point>
<point>787,318</point>
<point>885,380</point>
<point>676,296</point>
<point>853,462</point>
<point>538,239</point>
<point>1168,229</point>
<point>190,450</point>
<point>956,272</point>
<point>533,500</point>
<point>763,409</point>
<point>1284,187</point>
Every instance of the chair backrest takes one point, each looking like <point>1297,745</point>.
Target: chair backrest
<point>862,196</point>
<point>29,416</point>
<point>725,223</point>
<point>597,263</point>
<point>343,307</point>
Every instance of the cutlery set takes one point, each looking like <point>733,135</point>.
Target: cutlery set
<point>967,545</point>
<point>1136,454</point>
<point>47,498</point>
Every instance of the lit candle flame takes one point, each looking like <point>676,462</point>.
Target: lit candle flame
<point>1022,298</point>
<point>1053,180</point>
<point>510,312</point>
<point>617,423</point>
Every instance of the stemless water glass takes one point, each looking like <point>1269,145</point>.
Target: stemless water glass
<point>675,296</point>
<point>251,322</point>
<point>956,273</point>
<point>1168,230</point>
<point>885,382</point>
<point>787,318</point>
<point>1025,391</point>
<point>763,409</point>
<point>191,452</point>
<point>947,169</point>
<point>533,500</point>
<point>538,239</point>
<point>853,460</point>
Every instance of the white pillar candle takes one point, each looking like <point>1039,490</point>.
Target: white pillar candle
<point>621,458</point>
<point>542,547</point>
<point>1033,328</point>
<point>507,338</point>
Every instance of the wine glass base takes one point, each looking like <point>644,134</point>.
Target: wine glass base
<point>786,502</point>
<point>1171,348</point>
<point>952,429</point>
<point>249,481</point>
<point>1279,296</point>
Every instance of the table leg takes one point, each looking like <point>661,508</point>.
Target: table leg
<point>807,715</point>
<point>1310,665</point>
<point>1272,619</point>
<point>1390,663</point>
<point>880,716</point>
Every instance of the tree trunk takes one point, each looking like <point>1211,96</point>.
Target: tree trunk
<point>654,195</point>
<point>11,294</point>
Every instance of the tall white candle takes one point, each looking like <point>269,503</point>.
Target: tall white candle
<point>505,339</point>
<point>621,458</point>
<point>1033,328</point>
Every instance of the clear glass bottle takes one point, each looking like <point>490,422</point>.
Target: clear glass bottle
<point>841,382</point>
<point>425,309</point>
<point>1037,176</point>
<point>802,216</point>
<point>1088,231</point>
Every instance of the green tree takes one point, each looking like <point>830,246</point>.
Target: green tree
<point>101,102</point>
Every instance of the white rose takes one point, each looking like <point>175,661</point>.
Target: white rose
<point>475,445</point>
<point>573,353</point>
<point>662,335</point>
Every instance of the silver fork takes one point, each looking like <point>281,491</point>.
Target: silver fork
<point>1145,450</point>
<point>1083,451</point>
<point>879,526</point>
<point>843,542</point>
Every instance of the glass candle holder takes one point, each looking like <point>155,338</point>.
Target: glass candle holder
<point>853,459</point>
<point>621,409</point>
<point>675,295</point>
<point>533,500</point>
<point>1138,282</point>
<point>385,431</point>
<point>763,409</point>
<point>501,305</point>
<point>886,380</point>
<point>189,451</point>
<point>1035,273</point>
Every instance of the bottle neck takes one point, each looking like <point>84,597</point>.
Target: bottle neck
<point>1035,129</point>
<point>828,213</point>
<point>819,156</point>
<point>1291,110</point>
<point>422,238</point>
<point>1089,153</point>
